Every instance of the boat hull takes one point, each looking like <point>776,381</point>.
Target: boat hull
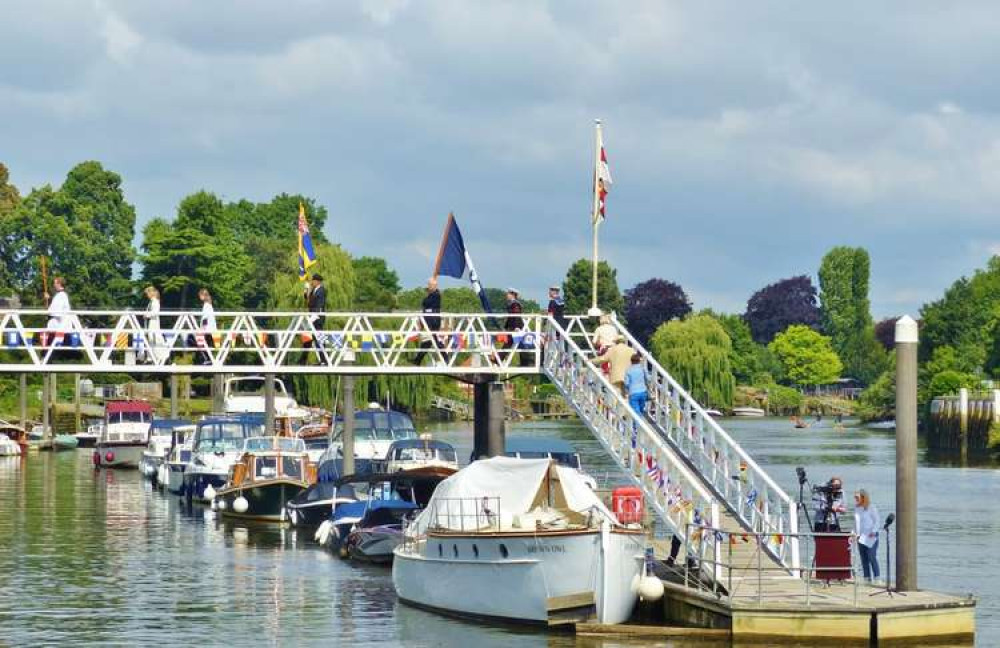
<point>374,545</point>
<point>118,455</point>
<point>175,477</point>
<point>85,440</point>
<point>310,514</point>
<point>195,483</point>
<point>265,500</point>
<point>518,577</point>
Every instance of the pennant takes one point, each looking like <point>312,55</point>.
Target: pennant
<point>307,256</point>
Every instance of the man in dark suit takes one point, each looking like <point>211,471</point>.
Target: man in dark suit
<point>316,303</point>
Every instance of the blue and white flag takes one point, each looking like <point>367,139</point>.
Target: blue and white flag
<point>453,259</point>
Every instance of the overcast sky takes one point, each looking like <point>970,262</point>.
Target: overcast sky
<point>745,138</point>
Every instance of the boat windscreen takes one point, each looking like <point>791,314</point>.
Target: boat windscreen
<point>128,417</point>
<point>219,436</point>
<point>268,467</point>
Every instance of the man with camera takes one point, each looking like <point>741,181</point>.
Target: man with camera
<point>828,502</point>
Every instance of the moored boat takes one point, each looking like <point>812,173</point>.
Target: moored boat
<point>124,434</point>
<point>422,453</point>
<point>171,472</point>
<point>748,412</point>
<point>16,435</point>
<point>88,438</point>
<point>519,540</point>
<point>559,450</point>
<point>270,472</point>
<point>245,395</point>
<point>9,447</point>
<point>217,445</point>
<point>160,440</point>
<point>65,442</point>
<point>375,429</point>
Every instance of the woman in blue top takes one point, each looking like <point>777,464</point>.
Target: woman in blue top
<point>866,524</point>
<point>635,385</point>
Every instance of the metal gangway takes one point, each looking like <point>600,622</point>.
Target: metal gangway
<point>690,470</point>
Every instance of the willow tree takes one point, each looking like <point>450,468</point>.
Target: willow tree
<point>696,352</point>
<point>286,293</point>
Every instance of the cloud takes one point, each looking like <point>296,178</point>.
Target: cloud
<point>745,140</point>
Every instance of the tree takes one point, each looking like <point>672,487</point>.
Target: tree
<point>843,280</point>
<point>696,352</point>
<point>878,401</point>
<point>751,363</point>
<point>885,333</point>
<point>947,383</point>
<point>85,231</point>
<point>375,285</point>
<point>807,356</point>
<point>578,286</point>
<point>9,195</point>
<point>651,303</point>
<point>774,308</point>
<point>199,250</point>
<point>277,219</point>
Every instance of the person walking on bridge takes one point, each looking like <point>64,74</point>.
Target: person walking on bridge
<point>315,303</point>
<point>619,359</point>
<point>635,385</point>
<point>59,313</point>
<point>154,340</point>
<point>431,321</point>
<point>207,326</point>
<point>557,306</point>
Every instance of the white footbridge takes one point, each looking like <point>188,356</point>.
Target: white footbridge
<point>690,469</point>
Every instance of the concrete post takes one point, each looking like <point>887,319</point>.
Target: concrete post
<point>497,431</point>
<point>173,396</point>
<point>906,454</point>
<point>46,397</point>
<point>480,416</point>
<point>269,403</point>
<point>50,432</point>
<point>347,437</point>
<point>217,395</point>
<point>76,404</point>
<point>963,422</point>
<point>24,401</point>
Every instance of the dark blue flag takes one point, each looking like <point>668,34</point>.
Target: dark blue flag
<point>453,259</point>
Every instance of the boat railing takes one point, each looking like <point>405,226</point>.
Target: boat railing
<point>832,565</point>
<point>465,514</point>
<point>723,465</point>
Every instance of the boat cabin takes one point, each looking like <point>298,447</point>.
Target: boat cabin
<point>412,454</point>
<point>374,431</point>
<point>561,451</point>
<point>271,458</point>
<point>126,420</point>
<point>225,434</point>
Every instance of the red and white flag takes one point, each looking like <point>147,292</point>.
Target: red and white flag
<point>602,178</point>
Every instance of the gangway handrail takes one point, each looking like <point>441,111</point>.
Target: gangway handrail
<point>667,502</point>
<point>790,506</point>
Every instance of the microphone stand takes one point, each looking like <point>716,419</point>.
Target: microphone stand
<point>888,568</point>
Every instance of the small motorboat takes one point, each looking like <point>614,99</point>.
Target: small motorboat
<point>245,395</point>
<point>124,435</point>
<point>9,447</point>
<point>65,442</point>
<point>424,452</point>
<point>748,412</point>
<point>171,472</point>
<point>14,434</point>
<point>375,429</point>
<point>218,444</point>
<point>89,438</point>
<point>714,413</point>
<point>160,440</point>
<point>313,506</point>
<point>316,436</point>
<point>270,472</point>
<point>520,540</point>
<point>379,530</point>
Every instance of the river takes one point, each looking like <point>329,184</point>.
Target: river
<point>100,558</point>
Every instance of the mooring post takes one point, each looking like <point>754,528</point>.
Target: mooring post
<point>497,430</point>
<point>480,416</point>
<point>906,453</point>
<point>173,396</point>
<point>269,403</point>
<point>76,403</point>
<point>217,397</point>
<point>24,401</point>
<point>347,438</point>
<point>46,397</point>
<point>963,422</point>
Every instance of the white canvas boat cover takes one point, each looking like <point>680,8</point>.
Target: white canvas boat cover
<point>492,493</point>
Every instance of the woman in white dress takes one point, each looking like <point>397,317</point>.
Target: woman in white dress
<point>208,326</point>
<point>154,349</point>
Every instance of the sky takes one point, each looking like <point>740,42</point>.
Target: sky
<point>744,139</point>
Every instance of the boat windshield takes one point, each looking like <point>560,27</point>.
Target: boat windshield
<point>570,459</point>
<point>425,454</point>
<point>267,467</point>
<point>366,430</point>
<point>213,437</point>
<point>284,444</point>
<point>128,417</point>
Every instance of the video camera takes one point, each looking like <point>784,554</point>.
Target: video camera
<point>827,501</point>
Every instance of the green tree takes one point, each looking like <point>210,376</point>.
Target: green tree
<point>807,356</point>
<point>277,219</point>
<point>748,359</point>
<point>696,352</point>
<point>498,301</point>
<point>84,228</point>
<point>375,285</point>
<point>846,312</point>
<point>878,401</point>
<point>577,288</point>
<point>9,195</point>
<point>947,383</point>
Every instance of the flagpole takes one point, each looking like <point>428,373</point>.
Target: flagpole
<point>595,311</point>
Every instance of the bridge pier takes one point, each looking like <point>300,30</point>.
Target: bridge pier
<point>173,396</point>
<point>46,399</point>
<point>489,425</point>
<point>347,437</point>
<point>24,401</point>
<point>269,403</point>
<point>217,396</point>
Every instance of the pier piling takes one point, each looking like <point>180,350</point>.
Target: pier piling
<point>496,425</point>
<point>217,397</point>
<point>906,453</point>
<point>348,435</point>
<point>480,425</point>
<point>269,403</point>
<point>46,403</point>
<point>76,404</point>
<point>24,401</point>
<point>173,396</point>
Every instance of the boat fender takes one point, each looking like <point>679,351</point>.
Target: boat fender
<point>323,532</point>
<point>293,517</point>
<point>650,588</point>
<point>240,504</point>
<point>220,504</point>
<point>209,493</point>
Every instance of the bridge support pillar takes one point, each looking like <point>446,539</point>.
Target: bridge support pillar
<point>347,436</point>
<point>77,419</point>
<point>46,404</point>
<point>173,396</point>
<point>217,396</point>
<point>24,401</point>
<point>269,403</point>
<point>489,428</point>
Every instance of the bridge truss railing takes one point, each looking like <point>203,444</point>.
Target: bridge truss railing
<point>253,342</point>
<point>747,491</point>
<point>674,492</point>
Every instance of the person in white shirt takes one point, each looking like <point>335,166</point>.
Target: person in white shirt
<point>207,324</point>
<point>866,528</point>
<point>152,317</point>
<point>605,334</point>
<point>59,313</point>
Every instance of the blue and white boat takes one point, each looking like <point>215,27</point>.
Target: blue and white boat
<point>218,443</point>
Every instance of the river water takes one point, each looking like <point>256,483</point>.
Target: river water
<point>99,558</point>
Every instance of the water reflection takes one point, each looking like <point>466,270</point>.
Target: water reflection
<point>106,559</point>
